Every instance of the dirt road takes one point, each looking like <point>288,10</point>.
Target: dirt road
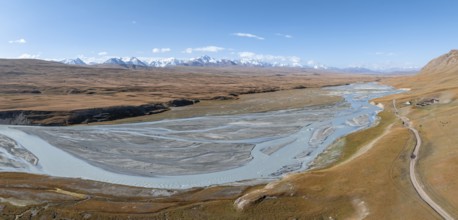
<point>413,161</point>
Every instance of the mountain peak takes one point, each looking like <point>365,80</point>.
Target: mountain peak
<point>164,62</point>
<point>76,61</point>
<point>135,62</point>
<point>205,58</point>
<point>114,60</point>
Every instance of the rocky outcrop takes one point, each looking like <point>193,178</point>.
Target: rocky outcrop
<point>83,116</point>
<point>19,117</point>
<point>182,102</point>
<point>113,113</point>
<point>272,190</point>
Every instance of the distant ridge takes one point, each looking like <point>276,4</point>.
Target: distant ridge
<point>207,61</point>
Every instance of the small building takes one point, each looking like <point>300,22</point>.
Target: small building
<point>428,102</point>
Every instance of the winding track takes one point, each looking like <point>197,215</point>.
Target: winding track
<point>413,161</point>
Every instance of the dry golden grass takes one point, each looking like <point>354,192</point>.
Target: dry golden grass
<point>438,127</point>
<point>41,85</point>
<point>73,198</point>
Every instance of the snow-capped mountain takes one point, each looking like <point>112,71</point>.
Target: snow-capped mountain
<point>227,62</point>
<point>165,62</point>
<point>260,63</point>
<point>253,63</point>
<point>203,61</point>
<point>76,61</point>
<point>115,61</point>
<point>208,61</point>
<point>135,63</point>
<point>132,62</point>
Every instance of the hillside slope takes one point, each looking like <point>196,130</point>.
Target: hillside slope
<point>379,186</point>
<point>434,110</point>
<point>440,75</point>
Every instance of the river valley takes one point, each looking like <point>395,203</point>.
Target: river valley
<point>192,152</point>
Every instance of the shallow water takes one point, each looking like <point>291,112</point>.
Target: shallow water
<point>185,153</point>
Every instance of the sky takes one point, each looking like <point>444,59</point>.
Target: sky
<point>342,33</point>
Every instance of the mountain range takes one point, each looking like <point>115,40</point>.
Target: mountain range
<point>203,61</point>
<point>134,62</point>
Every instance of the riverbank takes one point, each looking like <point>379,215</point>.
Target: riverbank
<point>257,101</point>
<point>200,151</point>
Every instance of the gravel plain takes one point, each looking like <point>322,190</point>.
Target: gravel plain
<point>200,151</point>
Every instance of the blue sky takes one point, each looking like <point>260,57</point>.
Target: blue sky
<point>370,33</point>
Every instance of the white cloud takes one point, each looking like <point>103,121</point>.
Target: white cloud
<point>18,41</point>
<point>102,53</point>
<point>284,35</point>
<point>293,60</point>
<point>249,55</point>
<point>161,50</point>
<point>29,56</point>
<point>134,22</point>
<point>248,35</point>
<point>316,65</point>
<point>212,49</point>
<point>311,62</point>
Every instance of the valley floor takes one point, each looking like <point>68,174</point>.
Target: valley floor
<point>373,185</point>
